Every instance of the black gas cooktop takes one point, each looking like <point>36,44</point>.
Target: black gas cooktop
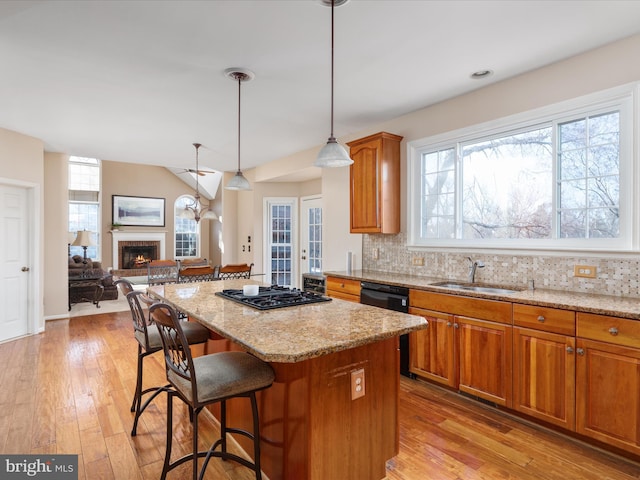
<point>273,297</point>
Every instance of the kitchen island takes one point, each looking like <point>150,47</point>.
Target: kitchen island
<point>311,428</point>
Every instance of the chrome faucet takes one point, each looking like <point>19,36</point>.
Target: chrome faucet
<point>472,269</point>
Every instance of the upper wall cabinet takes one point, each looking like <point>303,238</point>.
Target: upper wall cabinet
<point>375,184</point>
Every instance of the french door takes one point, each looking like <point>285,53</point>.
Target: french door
<point>311,235</point>
<point>281,232</point>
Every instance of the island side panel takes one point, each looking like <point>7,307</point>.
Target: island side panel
<point>353,439</point>
<point>284,417</point>
<point>310,427</point>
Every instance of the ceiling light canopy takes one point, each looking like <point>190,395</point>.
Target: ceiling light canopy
<point>195,211</point>
<point>481,74</point>
<point>239,182</point>
<point>332,154</point>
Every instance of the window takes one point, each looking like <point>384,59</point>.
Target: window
<point>553,180</point>
<point>187,232</point>
<point>84,202</point>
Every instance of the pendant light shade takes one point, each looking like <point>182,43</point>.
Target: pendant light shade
<point>332,154</point>
<point>239,182</point>
<point>195,211</point>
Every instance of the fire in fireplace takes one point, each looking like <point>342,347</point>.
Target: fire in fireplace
<point>138,256</point>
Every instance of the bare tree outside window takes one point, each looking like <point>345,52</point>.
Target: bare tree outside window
<point>506,184</point>
<point>589,177</point>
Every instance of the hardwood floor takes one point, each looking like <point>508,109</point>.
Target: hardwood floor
<point>69,391</point>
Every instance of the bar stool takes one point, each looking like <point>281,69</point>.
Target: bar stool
<point>149,342</point>
<point>205,380</point>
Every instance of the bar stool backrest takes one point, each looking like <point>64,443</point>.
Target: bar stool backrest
<point>177,354</point>
<point>124,285</point>
<point>160,272</point>
<point>139,319</point>
<point>241,270</point>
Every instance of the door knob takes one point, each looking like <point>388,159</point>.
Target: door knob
<point>25,269</point>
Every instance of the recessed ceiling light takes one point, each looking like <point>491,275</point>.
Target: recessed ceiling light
<point>481,74</point>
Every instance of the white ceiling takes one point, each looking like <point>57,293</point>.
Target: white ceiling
<point>140,81</point>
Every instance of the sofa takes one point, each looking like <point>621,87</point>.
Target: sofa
<point>85,294</point>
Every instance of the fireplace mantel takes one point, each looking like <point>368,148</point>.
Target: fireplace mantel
<point>129,236</point>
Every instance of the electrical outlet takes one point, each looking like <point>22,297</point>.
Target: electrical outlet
<point>418,261</point>
<point>376,253</point>
<point>357,383</point>
<point>585,271</point>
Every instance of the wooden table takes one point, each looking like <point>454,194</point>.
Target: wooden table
<point>90,278</point>
<point>310,426</point>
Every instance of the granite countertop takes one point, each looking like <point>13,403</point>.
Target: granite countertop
<point>291,334</point>
<point>624,307</point>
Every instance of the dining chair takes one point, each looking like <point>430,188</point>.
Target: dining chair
<point>206,380</point>
<point>149,342</point>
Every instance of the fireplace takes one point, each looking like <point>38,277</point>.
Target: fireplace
<point>136,254</point>
<point>133,250</point>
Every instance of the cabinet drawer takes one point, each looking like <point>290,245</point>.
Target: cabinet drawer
<point>546,319</point>
<point>460,305</point>
<point>343,285</point>
<point>619,331</point>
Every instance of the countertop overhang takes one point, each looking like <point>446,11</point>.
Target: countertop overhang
<point>624,307</point>
<point>291,334</point>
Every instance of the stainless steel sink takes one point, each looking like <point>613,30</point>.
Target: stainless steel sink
<point>475,288</point>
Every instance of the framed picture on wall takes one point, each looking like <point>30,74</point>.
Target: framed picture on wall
<point>138,211</point>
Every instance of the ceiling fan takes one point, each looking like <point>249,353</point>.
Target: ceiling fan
<point>200,171</point>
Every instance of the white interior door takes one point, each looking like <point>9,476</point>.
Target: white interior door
<point>311,235</point>
<point>14,266</point>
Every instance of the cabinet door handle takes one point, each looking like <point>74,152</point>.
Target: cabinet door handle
<point>541,318</point>
<point>569,350</point>
<point>448,324</point>
<point>613,331</point>
<point>455,325</point>
<point>580,351</point>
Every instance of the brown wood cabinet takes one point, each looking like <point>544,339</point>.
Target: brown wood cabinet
<point>343,288</point>
<point>485,359</point>
<point>575,370</point>
<point>481,336</point>
<point>375,184</point>
<point>432,350</point>
<point>544,364</point>
<point>607,380</point>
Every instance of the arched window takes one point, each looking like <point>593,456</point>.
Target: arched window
<point>187,230</point>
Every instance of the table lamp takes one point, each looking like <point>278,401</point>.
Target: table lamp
<point>83,239</point>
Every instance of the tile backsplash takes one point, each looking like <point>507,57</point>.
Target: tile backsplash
<point>615,276</point>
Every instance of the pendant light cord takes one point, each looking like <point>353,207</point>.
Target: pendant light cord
<point>332,6</point>
<point>239,87</point>
<point>197,145</point>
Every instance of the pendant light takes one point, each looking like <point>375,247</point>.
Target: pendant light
<point>195,210</point>
<point>239,182</point>
<point>332,154</point>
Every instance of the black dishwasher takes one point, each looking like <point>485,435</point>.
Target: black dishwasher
<point>394,298</point>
